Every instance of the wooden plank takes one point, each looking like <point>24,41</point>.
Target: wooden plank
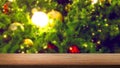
<point>59,59</point>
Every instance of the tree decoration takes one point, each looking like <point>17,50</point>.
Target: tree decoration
<point>11,0</point>
<point>105,1</point>
<point>55,15</point>
<point>40,19</point>
<point>101,1</point>
<point>60,26</point>
<point>6,7</point>
<point>6,38</point>
<point>68,7</point>
<point>18,51</point>
<point>28,42</point>
<point>35,10</point>
<point>51,48</point>
<point>73,49</point>
<point>15,26</point>
<point>94,1</point>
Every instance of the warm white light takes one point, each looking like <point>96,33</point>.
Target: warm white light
<point>11,0</point>
<point>94,1</point>
<point>40,19</point>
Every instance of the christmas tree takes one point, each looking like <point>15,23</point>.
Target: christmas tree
<point>59,26</point>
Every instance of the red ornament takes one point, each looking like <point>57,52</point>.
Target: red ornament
<point>74,49</point>
<point>6,7</point>
<point>52,47</point>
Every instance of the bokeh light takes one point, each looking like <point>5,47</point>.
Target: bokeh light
<point>40,19</point>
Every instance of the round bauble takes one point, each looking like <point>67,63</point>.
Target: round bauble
<point>28,42</point>
<point>51,48</point>
<point>35,10</point>
<point>6,7</point>
<point>55,15</point>
<point>15,26</point>
<point>73,49</point>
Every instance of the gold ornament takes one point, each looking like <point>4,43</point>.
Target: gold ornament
<point>54,16</point>
<point>14,26</point>
<point>35,10</point>
<point>28,42</point>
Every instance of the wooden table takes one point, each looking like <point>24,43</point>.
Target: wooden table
<point>60,59</point>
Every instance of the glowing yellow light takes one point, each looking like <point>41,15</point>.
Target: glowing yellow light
<point>5,36</point>
<point>98,42</point>
<point>45,47</point>
<point>36,52</point>
<point>94,1</point>
<point>99,30</point>
<point>35,9</point>
<point>22,47</point>
<point>106,24</point>
<point>105,19</point>
<point>70,48</point>
<point>98,24</point>
<point>11,0</point>
<point>93,34</point>
<point>22,52</point>
<point>27,51</point>
<point>117,28</point>
<point>28,42</point>
<point>85,45</point>
<point>40,19</point>
<point>20,9</point>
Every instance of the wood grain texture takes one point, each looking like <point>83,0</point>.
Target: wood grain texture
<point>59,59</point>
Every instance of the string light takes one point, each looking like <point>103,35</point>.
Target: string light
<point>99,30</point>
<point>85,45</point>
<point>40,19</point>
<point>4,36</point>
<point>22,52</point>
<point>45,47</point>
<point>93,34</point>
<point>98,24</point>
<point>11,0</point>
<point>21,47</point>
<point>105,20</point>
<point>106,24</point>
<point>94,1</point>
<point>98,42</point>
